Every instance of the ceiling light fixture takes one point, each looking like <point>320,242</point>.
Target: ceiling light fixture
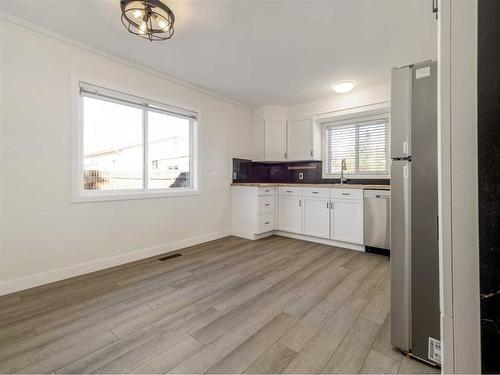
<point>149,19</point>
<point>343,87</point>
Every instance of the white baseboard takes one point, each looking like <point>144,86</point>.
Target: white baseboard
<point>243,234</point>
<point>324,241</point>
<point>31,281</point>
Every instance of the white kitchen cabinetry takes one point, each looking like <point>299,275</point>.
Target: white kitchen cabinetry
<point>253,210</point>
<point>331,216</point>
<point>290,209</point>
<point>281,140</point>
<point>303,140</point>
<point>316,212</point>
<point>258,140</point>
<point>346,220</point>
<point>290,214</point>
<point>275,140</point>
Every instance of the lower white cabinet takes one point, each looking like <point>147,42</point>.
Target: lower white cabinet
<point>290,214</point>
<point>346,220</point>
<point>335,214</point>
<point>316,217</point>
<point>253,211</point>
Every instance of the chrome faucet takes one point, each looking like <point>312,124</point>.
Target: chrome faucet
<point>343,168</point>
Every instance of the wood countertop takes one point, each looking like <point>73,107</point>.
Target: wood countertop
<point>330,186</point>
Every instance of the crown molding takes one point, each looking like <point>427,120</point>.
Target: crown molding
<point>151,71</point>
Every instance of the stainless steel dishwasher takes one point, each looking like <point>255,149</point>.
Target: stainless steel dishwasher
<point>377,219</point>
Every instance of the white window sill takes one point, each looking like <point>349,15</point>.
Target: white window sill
<point>114,196</point>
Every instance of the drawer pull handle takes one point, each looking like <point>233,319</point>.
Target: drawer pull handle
<point>267,190</point>
<point>267,204</point>
<point>267,222</point>
<point>346,193</point>
<point>289,191</point>
<point>315,192</point>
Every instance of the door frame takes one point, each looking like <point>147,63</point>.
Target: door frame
<point>458,191</point>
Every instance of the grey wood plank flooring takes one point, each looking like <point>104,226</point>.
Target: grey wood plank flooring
<point>276,305</point>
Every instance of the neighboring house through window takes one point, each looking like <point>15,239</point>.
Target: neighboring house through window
<point>131,145</point>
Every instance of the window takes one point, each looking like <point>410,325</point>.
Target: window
<point>133,146</point>
<point>363,143</point>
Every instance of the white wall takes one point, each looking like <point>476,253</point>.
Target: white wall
<point>44,237</point>
<point>339,102</point>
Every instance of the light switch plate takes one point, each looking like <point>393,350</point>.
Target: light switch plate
<point>301,176</point>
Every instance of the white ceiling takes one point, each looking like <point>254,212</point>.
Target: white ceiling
<point>257,51</point>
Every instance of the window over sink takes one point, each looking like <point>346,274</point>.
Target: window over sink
<point>364,144</point>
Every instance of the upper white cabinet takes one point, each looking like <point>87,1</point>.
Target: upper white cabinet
<point>303,140</point>
<point>258,140</point>
<point>275,140</point>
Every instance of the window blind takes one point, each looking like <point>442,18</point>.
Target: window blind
<point>89,90</point>
<point>364,145</point>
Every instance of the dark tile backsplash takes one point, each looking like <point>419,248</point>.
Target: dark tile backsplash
<point>251,171</point>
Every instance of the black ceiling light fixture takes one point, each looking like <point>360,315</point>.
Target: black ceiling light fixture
<point>149,19</point>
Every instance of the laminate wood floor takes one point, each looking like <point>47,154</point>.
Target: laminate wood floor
<point>276,305</point>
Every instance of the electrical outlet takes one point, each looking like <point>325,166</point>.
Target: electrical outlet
<point>301,176</point>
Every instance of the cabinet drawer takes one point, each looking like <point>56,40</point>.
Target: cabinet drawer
<point>347,193</point>
<point>266,204</point>
<point>268,190</point>
<point>291,191</point>
<point>266,223</point>
<point>316,192</point>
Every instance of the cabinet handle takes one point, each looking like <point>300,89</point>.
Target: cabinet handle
<point>267,204</point>
<point>315,192</point>
<point>266,222</point>
<point>311,153</point>
<point>327,205</point>
<point>300,203</point>
<point>267,190</point>
<point>289,191</point>
<point>346,193</point>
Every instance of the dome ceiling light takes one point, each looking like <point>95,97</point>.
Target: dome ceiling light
<point>343,87</point>
<point>149,19</point>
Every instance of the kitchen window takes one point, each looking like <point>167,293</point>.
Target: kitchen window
<point>362,142</point>
<point>131,147</point>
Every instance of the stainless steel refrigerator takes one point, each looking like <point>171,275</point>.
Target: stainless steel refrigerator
<point>415,315</point>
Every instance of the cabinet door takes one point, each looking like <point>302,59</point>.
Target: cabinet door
<point>290,214</point>
<point>300,140</point>
<point>275,140</point>
<point>258,137</point>
<point>317,217</point>
<point>347,220</point>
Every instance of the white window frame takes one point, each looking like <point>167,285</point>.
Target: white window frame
<point>120,95</point>
<point>353,117</point>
